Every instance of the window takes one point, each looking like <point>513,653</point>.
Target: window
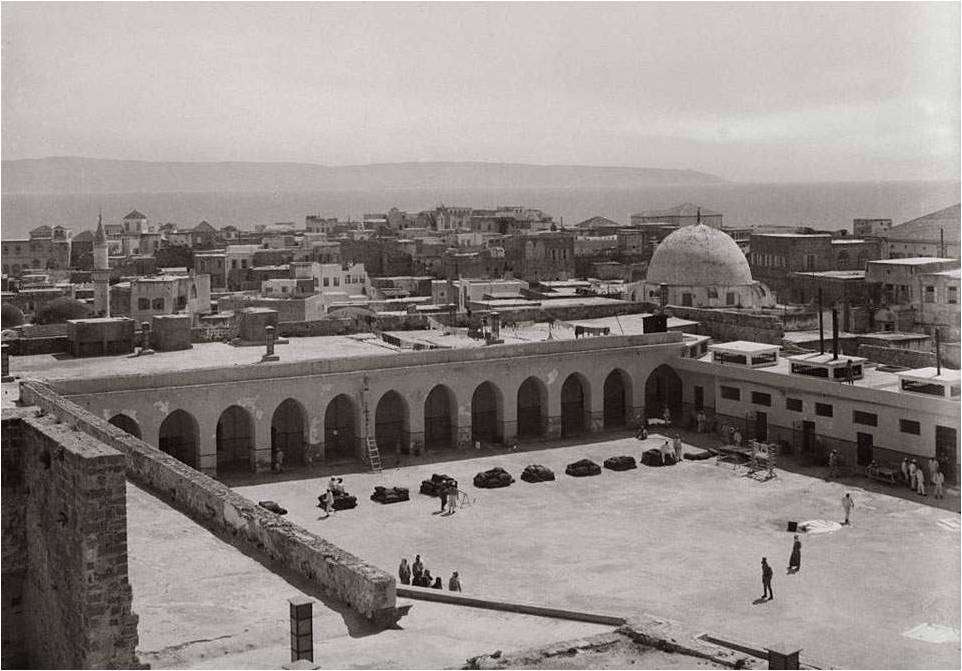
<point>233,264</point>
<point>143,303</point>
<point>158,303</point>
<point>327,281</point>
<point>181,302</point>
<point>793,404</point>
<point>283,290</point>
<point>824,410</point>
<point>730,298</point>
<point>243,263</point>
<point>686,300</point>
<point>712,292</point>
<point>929,295</point>
<point>866,418</point>
<point>337,281</point>
<point>760,398</point>
<point>731,393</point>
<point>952,295</point>
<point>909,426</point>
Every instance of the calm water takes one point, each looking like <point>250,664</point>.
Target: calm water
<point>822,205</point>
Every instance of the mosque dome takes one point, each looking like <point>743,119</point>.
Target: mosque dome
<point>699,255</point>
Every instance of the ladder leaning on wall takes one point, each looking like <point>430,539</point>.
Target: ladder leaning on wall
<point>373,455</point>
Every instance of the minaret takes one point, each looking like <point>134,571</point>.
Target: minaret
<point>101,271</point>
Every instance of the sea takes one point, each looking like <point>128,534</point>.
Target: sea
<point>822,205</point>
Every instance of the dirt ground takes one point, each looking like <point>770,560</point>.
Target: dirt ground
<point>682,542</point>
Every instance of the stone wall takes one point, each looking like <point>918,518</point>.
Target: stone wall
<point>349,325</point>
<point>364,587</point>
<point>725,325</point>
<point>43,345</point>
<point>909,358</point>
<point>66,596</point>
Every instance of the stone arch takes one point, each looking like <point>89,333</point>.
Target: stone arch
<point>289,430</point>
<point>178,437</point>
<point>440,418</point>
<point>235,440</point>
<point>575,405</point>
<point>340,428</point>
<point>487,410</point>
<point>391,432</point>
<point>663,388</point>
<point>122,421</point>
<point>617,399</point>
<point>532,408</point>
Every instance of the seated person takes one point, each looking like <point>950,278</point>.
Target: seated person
<point>337,487</point>
<point>437,584</point>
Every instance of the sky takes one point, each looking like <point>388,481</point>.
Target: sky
<point>749,92</point>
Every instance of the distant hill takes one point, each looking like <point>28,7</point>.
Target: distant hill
<point>87,175</point>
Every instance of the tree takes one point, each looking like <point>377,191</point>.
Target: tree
<point>10,316</point>
<point>60,310</point>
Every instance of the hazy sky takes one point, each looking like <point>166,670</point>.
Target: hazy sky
<point>761,92</point>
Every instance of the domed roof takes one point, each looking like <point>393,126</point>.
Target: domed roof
<point>698,255</point>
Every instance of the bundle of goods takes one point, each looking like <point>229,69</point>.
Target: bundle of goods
<point>433,486</point>
<point>390,494</point>
<point>585,467</point>
<point>496,477</point>
<point>273,507</point>
<point>622,463</point>
<point>537,473</point>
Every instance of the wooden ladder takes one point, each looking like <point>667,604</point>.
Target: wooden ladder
<point>373,455</point>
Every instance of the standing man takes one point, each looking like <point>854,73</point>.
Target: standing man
<point>833,464</point>
<point>417,569</point>
<point>443,494</point>
<point>920,481</point>
<point>937,481</point>
<point>905,471</point>
<point>454,584</point>
<point>847,505</point>
<point>678,448</point>
<point>666,415</point>
<point>767,580</point>
<point>795,560</point>
<point>404,572</point>
<point>933,468</point>
<point>913,468</point>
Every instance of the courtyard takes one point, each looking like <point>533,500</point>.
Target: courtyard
<point>682,542</point>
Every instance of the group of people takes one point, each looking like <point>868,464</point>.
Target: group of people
<point>448,493</point>
<point>415,574</point>
<point>674,449</point>
<point>913,475</point>
<point>335,487</point>
<point>794,566</point>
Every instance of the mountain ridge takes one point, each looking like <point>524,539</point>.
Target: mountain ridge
<point>71,174</point>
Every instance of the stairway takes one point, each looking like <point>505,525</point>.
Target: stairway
<point>373,455</point>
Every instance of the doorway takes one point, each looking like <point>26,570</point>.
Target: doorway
<point>864,451</point>
<point>808,437</point>
<point>946,451</point>
<point>761,426</point>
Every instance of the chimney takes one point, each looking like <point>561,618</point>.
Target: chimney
<point>938,353</point>
<point>821,325</point>
<point>942,242</point>
<point>834,334</point>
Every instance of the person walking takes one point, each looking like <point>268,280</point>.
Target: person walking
<point>795,560</point>
<point>767,580</point>
<point>847,505</point>
<point>454,584</point>
<point>678,448</point>
<point>937,481</point>
<point>913,468</point>
<point>443,494</point>
<point>404,572</point>
<point>417,569</point>
<point>452,487</point>
<point>905,471</point>
<point>920,482</point>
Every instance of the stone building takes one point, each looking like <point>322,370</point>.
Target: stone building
<point>701,266</point>
<point>46,249</point>
<point>540,256</point>
<point>162,295</point>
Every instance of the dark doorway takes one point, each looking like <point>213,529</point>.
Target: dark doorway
<point>340,429</point>
<point>662,388</point>
<point>946,451</point>
<point>808,437</point>
<point>616,400</point>
<point>532,399</point>
<point>761,426</point>
<point>440,409</point>
<point>235,440</point>
<point>288,432</point>
<point>178,437</point>
<point>391,424</point>
<point>573,406</point>
<point>127,424</point>
<point>864,449</point>
<point>486,413</point>
<point>699,397</point>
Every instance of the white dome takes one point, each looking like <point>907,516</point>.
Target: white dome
<point>698,255</point>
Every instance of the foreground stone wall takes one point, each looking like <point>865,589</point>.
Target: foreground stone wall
<point>909,358</point>
<point>364,587</point>
<point>67,599</point>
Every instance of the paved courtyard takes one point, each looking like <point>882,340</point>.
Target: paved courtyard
<point>682,542</point>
